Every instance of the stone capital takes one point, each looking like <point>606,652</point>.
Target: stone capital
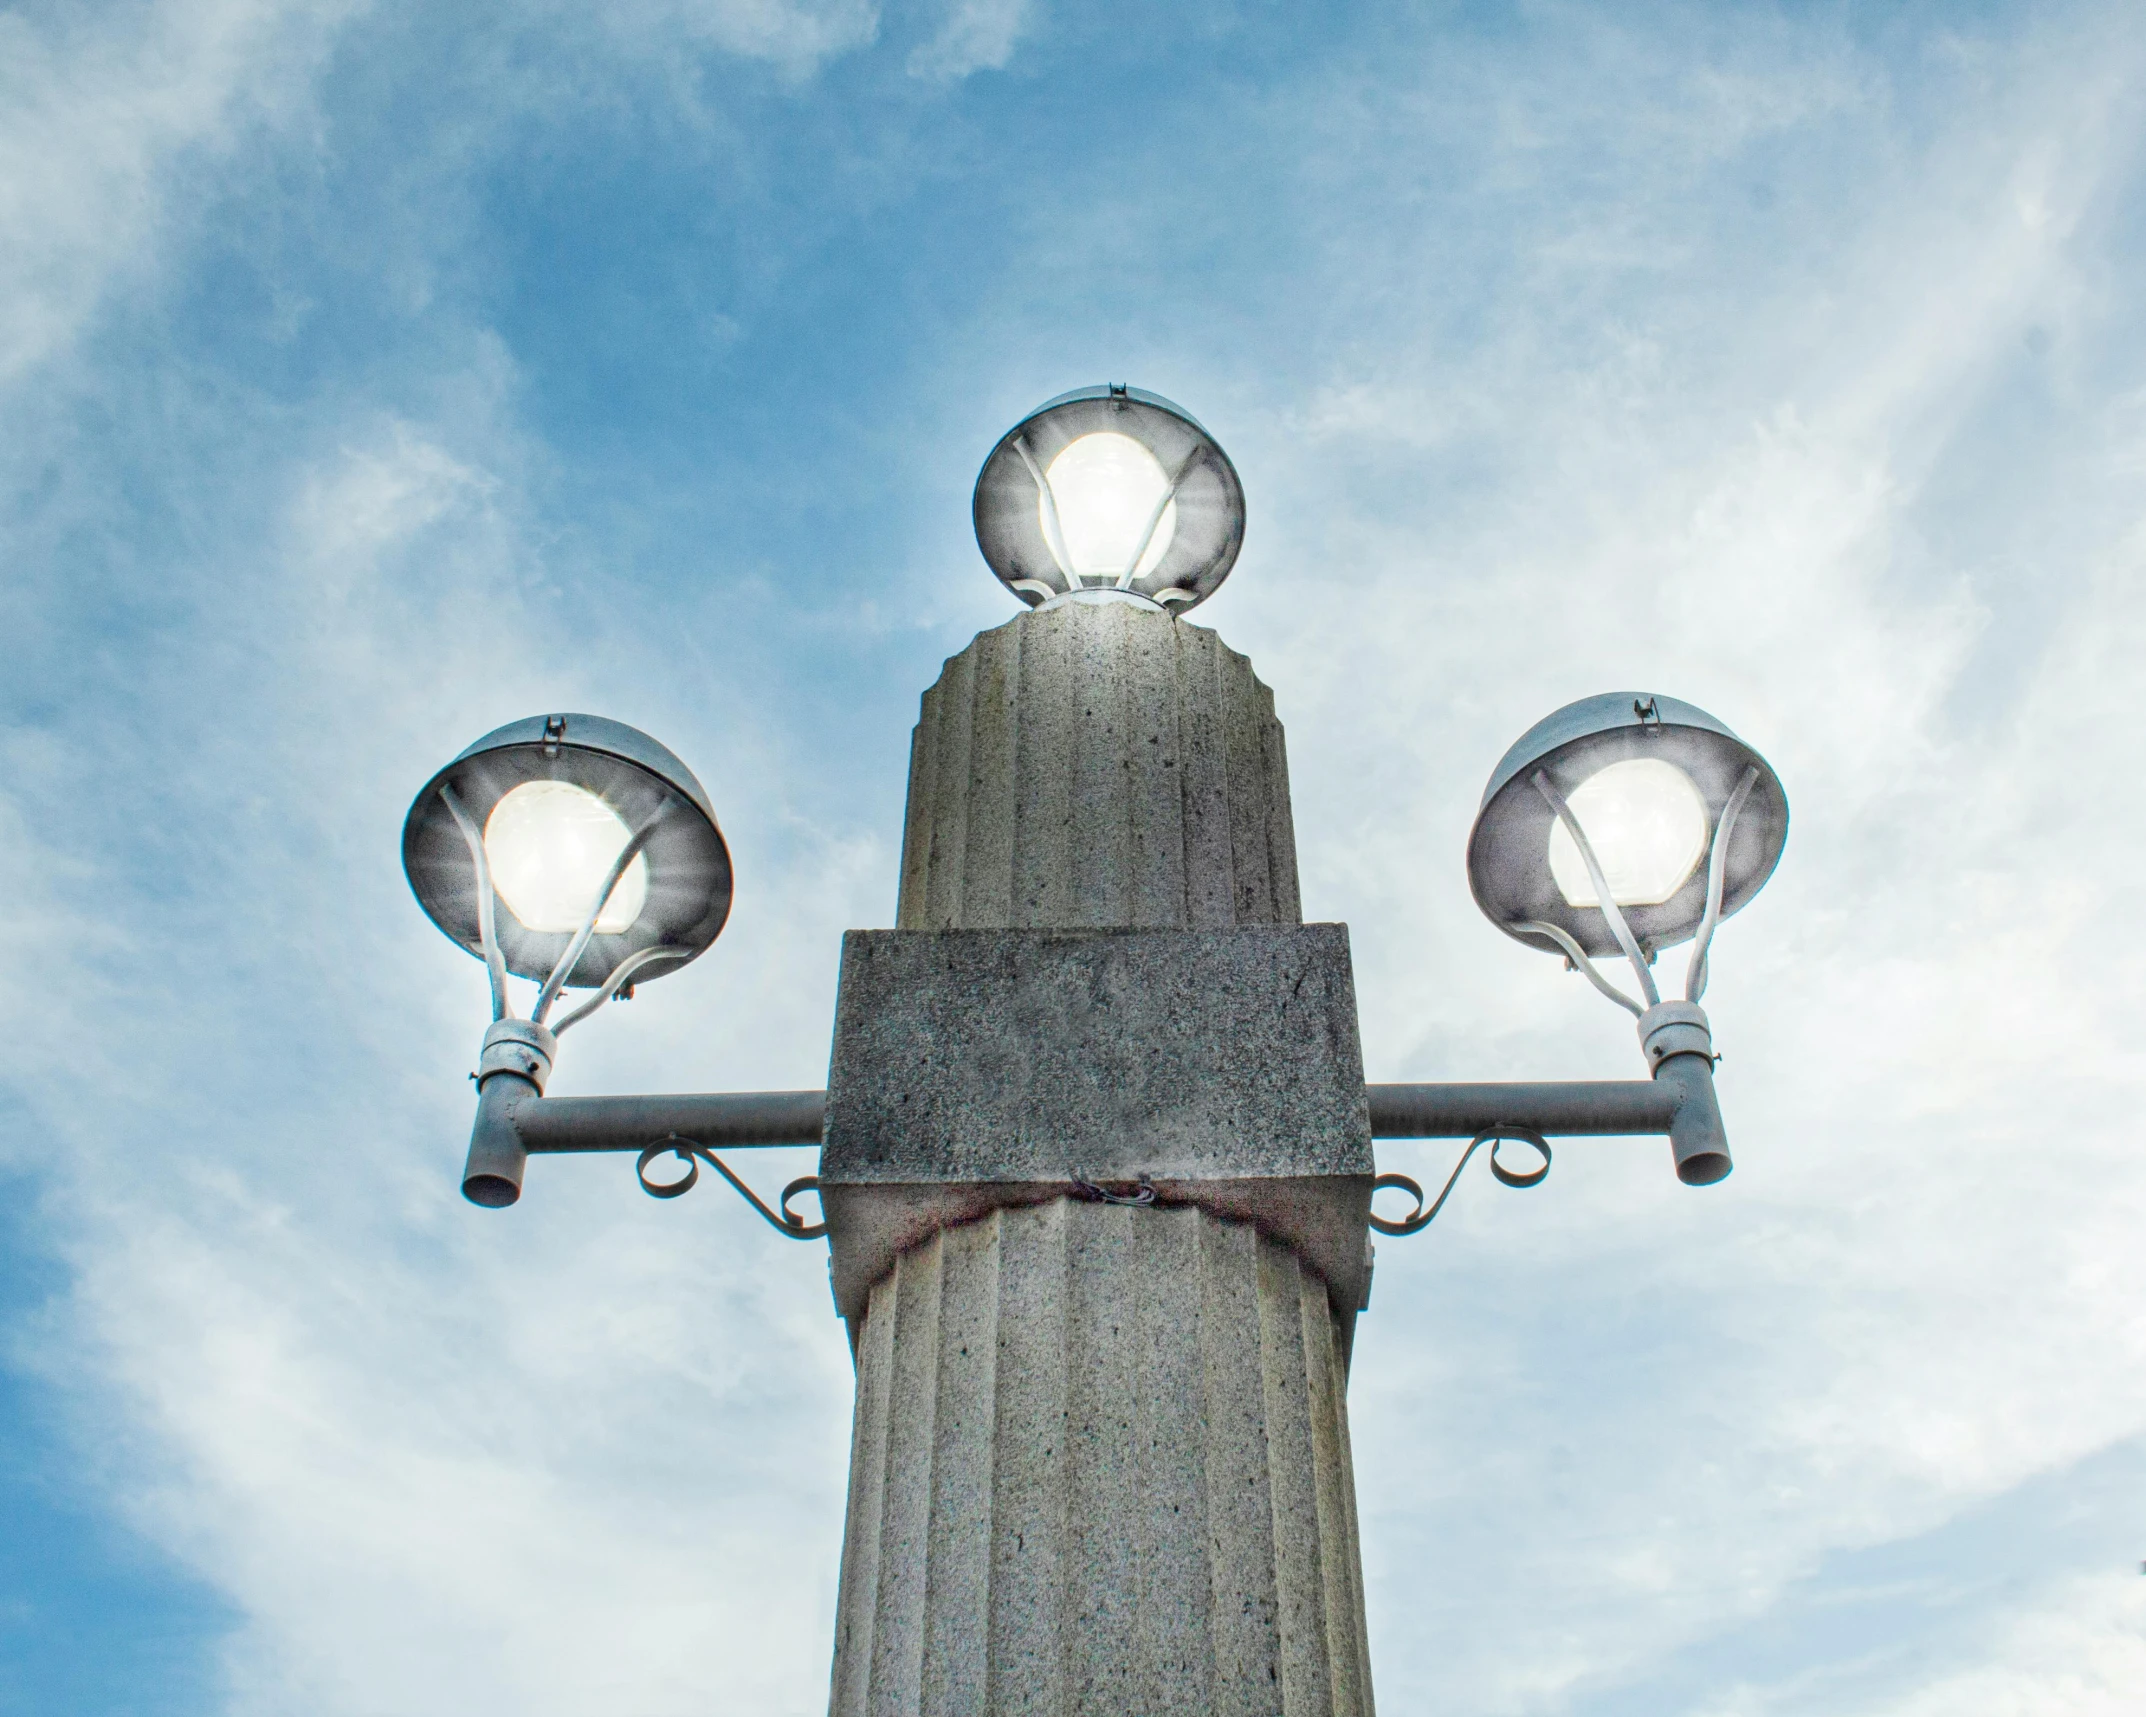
<point>980,1069</point>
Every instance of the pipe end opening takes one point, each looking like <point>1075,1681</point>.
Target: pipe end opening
<point>496,1192</point>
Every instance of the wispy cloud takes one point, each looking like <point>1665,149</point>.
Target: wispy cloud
<point>973,36</point>
<point>1745,357</point>
<point>796,34</point>
<point>103,112</point>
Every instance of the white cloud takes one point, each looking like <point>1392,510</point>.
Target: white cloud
<point>796,34</point>
<point>2082,1654</point>
<point>973,36</point>
<point>95,111</point>
<point>312,1379</point>
<point>1673,1406</point>
<point>588,1455</point>
<point>119,126</point>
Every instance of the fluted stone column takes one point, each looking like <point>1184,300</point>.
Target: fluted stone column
<point>1101,1457</point>
<point>1096,766</point>
<point>1101,1467</point>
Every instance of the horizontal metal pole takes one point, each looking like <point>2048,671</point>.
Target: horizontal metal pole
<point>719,1120</point>
<point>1572,1107</point>
<point>737,1120</point>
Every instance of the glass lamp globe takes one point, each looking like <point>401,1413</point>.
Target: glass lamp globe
<point>1647,822</point>
<point>1647,778</point>
<point>557,799</point>
<point>1111,504</point>
<point>550,845</point>
<point>1110,489</point>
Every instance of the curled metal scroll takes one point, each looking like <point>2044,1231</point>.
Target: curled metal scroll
<point>620,982</point>
<point>783,1219</point>
<point>1420,1218</point>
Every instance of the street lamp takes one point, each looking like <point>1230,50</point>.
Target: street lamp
<point>1625,824</point>
<point>1110,490</point>
<point>1096,1160</point>
<point>574,851</point>
<point>1636,798</point>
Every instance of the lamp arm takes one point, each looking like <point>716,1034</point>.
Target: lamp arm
<point>1570,1108</point>
<point>1054,536</point>
<point>718,1120</point>
<point>626,855</point>
<point>1577,958</point>
<point>495,964</point>
<point>621,975</point>
<point>1678,1102</point>
<point>516,1121</point>
<point>1717,870</point>
<point>1147,536</point>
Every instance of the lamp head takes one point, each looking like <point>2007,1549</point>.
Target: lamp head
<point>1110,488</point>
<point>558,798</point>
<point>1646,777</point>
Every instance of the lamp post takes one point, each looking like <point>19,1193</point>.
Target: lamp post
<point>1096,1163</point>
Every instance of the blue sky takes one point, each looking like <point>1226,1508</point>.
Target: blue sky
<point>377,373</point>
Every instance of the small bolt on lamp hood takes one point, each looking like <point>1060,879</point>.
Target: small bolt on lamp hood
<point>1110,491</point>
<point>1625,823</point>
<point>570,850</point>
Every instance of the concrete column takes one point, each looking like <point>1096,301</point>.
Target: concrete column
<point>1100,1469</point>
<point>1101,1453</point>
<point>1098,766</point>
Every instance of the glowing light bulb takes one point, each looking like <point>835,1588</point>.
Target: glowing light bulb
<point>550,845</point>
<point>1107,487</point>
<point>1647,823</point>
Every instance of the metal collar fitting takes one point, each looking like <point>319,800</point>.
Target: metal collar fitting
<point>518,1046</point>
<point>1674,1028</point>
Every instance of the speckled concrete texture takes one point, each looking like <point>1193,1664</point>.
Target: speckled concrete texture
<point>1037,1054</point>
<point>974,1067</point>
<point>1101,1453</point>
<point>1097,766</point>
<point>1100,1466</point>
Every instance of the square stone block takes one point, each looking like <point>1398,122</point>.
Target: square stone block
<point>976,1068</point>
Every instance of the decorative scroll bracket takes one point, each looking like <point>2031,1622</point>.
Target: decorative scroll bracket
<point>782,1218</point>
<point>1420,1218</point>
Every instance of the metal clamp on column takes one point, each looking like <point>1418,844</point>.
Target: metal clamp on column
<point>1679,1045</point>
